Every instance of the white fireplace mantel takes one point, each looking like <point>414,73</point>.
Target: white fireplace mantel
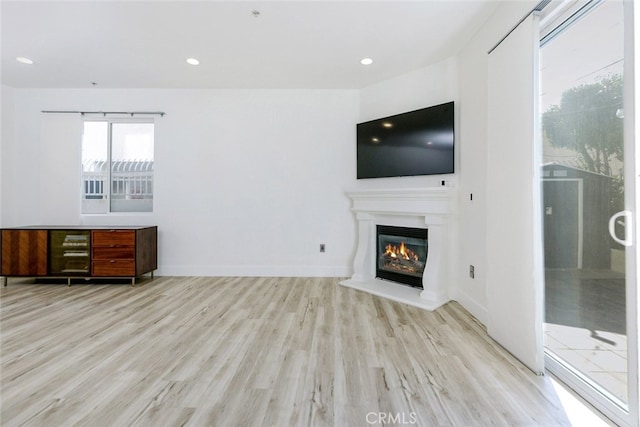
<point>429,208</point>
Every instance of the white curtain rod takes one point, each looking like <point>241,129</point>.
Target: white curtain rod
<point>538,8</point>
<point>104,113</point>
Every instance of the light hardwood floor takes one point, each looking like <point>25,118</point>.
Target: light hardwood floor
<point>252,352</point>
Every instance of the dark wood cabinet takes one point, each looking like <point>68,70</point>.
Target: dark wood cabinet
<point>127,252</point>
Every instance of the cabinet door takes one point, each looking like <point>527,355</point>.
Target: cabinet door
<point>24,253</point>
<point>69,252</point>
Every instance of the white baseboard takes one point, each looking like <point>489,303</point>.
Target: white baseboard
<point>254,270</point>
<point>471,305</point>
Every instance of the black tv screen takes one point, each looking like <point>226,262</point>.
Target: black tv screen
<point>419,142</point>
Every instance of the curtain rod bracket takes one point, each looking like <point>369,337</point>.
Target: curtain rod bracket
<point>105,113</point>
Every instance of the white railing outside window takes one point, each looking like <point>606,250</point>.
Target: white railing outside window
<point>93,186</point>
<point>132,180</point>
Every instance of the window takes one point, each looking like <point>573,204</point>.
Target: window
<point>117,166</point>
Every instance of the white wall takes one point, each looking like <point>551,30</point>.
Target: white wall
<point>473,92</point>
<point>3,129</point>
<point>432,85</point>
<point>5,111</point>
<point>20,171</point>
<point>247,182</point>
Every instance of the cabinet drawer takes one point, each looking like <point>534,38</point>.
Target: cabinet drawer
<point>114,268</point>
<point>113,252</point>
<point>113,237</point>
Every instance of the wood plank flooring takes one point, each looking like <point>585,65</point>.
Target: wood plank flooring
<point>200,351</point>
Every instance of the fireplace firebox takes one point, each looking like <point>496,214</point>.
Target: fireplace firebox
<point>401,254</point>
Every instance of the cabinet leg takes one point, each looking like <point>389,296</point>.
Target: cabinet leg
<point>133,281</point>
<point>5,281</point>
<point>69,281</point>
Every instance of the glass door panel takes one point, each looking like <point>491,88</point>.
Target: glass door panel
<point>70,252</point>
<point>583,187</point>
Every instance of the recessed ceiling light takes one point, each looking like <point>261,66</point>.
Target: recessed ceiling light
<point>387,124</point>
<point>193,61</point>
<point>367,61</point>
<point>24,60</point>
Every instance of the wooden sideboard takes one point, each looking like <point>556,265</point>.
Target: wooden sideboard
<point>78,252</point>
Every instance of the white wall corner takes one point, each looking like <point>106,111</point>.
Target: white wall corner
<point>470,304</point>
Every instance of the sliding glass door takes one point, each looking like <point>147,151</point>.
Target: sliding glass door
<point>584,219</point>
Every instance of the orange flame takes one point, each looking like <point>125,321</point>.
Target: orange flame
<point>400,252</point>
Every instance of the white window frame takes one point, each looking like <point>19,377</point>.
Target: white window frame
<point>107,183</point>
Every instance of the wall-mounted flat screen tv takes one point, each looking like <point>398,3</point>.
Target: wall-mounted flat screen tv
<point>419,142</point>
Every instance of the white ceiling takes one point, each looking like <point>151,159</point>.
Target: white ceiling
<point>292,44</point>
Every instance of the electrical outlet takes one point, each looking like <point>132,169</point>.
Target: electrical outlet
<point>322,247</point>
<point>472,271</point>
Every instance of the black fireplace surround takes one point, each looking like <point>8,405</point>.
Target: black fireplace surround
<point>401,254</point>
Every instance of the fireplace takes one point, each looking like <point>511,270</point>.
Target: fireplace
<point>401,254</point>
<point>429,209</point>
